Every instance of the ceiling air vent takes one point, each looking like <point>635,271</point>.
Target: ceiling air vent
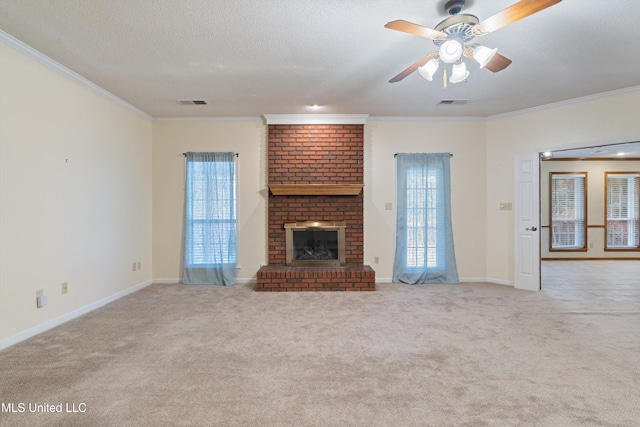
<point>453,102</point>
<point>192,102</point>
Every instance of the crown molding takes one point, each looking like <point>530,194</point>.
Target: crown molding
<point>209,119</point>
<point>426,119</point>
<point>315,119</point>
<point>64,71</point>
<point>565,103</point>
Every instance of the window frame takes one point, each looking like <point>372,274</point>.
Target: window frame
<point>636,247</point>
<point>585,209</point>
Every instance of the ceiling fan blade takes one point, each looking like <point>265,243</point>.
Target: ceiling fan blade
<point>415,29</point>
<point>498,63</point>
<point>412,68</point>
<point>513,13</point>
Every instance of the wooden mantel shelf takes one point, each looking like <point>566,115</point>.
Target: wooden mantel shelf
<point>315,189</point>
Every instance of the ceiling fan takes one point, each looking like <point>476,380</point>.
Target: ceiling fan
<point>453,36</point>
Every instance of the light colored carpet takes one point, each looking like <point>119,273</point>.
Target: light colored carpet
<point>424,355</point>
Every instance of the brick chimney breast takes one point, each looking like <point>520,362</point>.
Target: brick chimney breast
<point>326,154</point>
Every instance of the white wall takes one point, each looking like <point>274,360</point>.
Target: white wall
<point>170,140</point>
<point>75,196</point>
<point>588,122</point>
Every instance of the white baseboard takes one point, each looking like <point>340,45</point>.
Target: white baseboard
<point>382,280</point>
<point>499,281</point>
<point>167,281</point>
<point>473,279</point>
<point>175,281</point>
<point>31,332</point>
<point>379,280</point>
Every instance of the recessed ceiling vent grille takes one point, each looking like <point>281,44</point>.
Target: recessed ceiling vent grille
<point>192,102</point>
<point>453,102</point>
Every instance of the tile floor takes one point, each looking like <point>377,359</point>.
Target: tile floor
<point>617,280</point>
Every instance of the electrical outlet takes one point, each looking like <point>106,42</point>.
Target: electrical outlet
<point>376,260</point>
<point>133,266</point>
<point>65,287</point>
<point>388,206</point>
<point>139,265</point>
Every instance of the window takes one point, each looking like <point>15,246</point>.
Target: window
<point>210,252</point>
<point>424,250</point>
<point>568,211</point>
<point>622,193</point>
<point>423,218</point>
<point>213,213</point>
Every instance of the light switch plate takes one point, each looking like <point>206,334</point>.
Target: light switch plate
<point>41,301</point>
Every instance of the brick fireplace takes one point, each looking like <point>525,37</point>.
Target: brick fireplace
<point>315,173</point>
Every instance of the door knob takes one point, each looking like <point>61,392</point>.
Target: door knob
<point>531,229</point>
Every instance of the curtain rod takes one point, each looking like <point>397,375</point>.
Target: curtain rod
<point>185,154</point>
<point>396,155</point>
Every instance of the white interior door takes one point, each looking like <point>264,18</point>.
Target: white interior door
<point>527,222</point>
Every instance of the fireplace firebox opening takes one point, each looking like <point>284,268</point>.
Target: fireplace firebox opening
<point>315,243</point>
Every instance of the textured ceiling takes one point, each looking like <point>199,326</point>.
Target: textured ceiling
<point>255,57</point>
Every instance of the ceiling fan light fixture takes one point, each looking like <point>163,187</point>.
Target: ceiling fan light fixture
<point>451,51</point>
<point>428,70</point>
<point>483,55</point>
<point>459,73</point>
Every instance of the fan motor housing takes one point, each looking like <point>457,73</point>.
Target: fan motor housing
<point>458,26</point>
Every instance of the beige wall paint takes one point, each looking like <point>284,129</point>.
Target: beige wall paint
<point>466,141</point>
<point>382,140</point>
<point>595,205</point>
<point>604,120</point>
<point>75,195</point>
<point>170,140</point>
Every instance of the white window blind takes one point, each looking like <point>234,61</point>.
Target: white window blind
<point>568,211</point>
<point>622,210</point>
<point>425,245</point>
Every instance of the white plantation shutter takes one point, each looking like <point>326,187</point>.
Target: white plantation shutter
<point>568,211</point>
<point>622,210</point>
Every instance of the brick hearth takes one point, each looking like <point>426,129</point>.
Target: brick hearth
<point>351,277</point>
<point>315,154</point>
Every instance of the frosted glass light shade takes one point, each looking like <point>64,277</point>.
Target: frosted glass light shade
<point>450,51</point>
<point>459,73</point>
<point>483,55</point>
<point>428,69</point>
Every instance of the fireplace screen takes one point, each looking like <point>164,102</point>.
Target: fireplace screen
<point>315,243</point>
